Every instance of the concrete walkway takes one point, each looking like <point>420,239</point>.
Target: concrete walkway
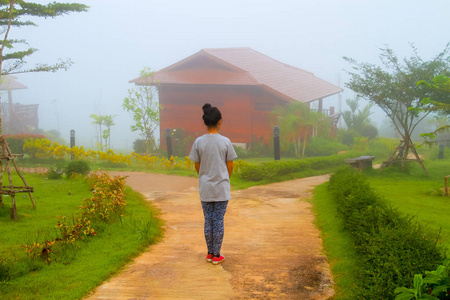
<point>272,249</point>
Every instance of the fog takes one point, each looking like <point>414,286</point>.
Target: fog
<point>111,43</point>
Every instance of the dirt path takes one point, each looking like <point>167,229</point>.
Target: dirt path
<point>272,249</point>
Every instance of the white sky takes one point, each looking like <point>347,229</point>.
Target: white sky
<point>112,42</point>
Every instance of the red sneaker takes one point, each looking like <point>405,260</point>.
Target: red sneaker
<point>209,257</point>
<point>218,260</point>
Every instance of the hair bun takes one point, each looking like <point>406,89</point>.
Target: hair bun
<point>205,107</point>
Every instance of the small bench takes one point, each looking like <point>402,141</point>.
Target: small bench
<point>361,162</point>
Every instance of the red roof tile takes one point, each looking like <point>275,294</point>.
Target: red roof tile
<point>245,66</point>
<point>9,82</point>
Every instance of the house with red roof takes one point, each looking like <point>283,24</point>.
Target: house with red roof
<point>243,83</point>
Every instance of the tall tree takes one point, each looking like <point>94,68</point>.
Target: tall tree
<point>98,120</point>
<point>392,86</point>
<point>108,121</point>
<point>12,15</point>
<point>356,118</point>
<point>438,98</point>
<point>143,106</point>
<point>438,101</point>
<point>103,120</point>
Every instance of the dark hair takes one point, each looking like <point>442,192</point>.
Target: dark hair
<point>211,115</point>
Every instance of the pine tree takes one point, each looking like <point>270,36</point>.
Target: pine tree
<point>13,14</point>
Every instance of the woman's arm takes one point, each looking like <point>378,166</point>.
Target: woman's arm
<point>197,167</point>
<point>230,167</point>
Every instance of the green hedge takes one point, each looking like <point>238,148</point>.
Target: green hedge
<point>393,247</point>
<point>16,141</point>
<point>269,170</point>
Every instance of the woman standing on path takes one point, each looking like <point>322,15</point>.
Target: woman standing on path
<point>213,155</point>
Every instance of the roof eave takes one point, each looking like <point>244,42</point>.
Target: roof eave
<point>290,99</point>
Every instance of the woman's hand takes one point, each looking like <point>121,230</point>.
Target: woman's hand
<point>230,167</point>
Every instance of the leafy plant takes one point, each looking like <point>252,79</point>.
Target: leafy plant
<point>143,107</point>
<point>369,131</point>
<point>55,173</point>
<point>392,247</point>
<point>77,167</point>
<point>348,138</point>
<point>5,270</point>
<point>320,146</point>
<point>268,170</point>
<point>435,285</point>
<point>140,146</point>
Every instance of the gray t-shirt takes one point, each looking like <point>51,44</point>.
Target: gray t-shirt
<point>212,151</point>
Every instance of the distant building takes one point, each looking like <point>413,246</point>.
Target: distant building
<point>16,117</point>
<point>243,83</point>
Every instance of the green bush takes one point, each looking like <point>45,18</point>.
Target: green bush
<point>319,146</point>
<point>348,138</point>
<point>180,142</point>
<point>16,141</point>
<point>139,146</point>
<point>435,284</point>
<point>269,170</point>
<point>392,247</point>
<point>434,152</point>
<point>77,167</point>
<point>381,147</point>
<point>240,152</point>
<point>369,131</point>
<point>54,173</point>
<point>258,149</point>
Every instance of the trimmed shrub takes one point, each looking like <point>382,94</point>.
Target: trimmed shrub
<point>382,147</point>
<point>268,170</point>
<point>139,146</point>
<point>54,173</point>
<point>392,247</point>
<point>348,138</point>
<point>369,131</point>
<point>77,167</point>
<point>319,146</point>
<point>16,141</point>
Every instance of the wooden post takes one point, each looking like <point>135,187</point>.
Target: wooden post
<point>13,208</point>
<point>29,189</point>
<point>10,189</point>
<point>276,143</point>
<point>72,142</point>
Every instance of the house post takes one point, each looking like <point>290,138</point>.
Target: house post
<point>276,143</point>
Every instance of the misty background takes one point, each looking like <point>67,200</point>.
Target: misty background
<point>115,40</point>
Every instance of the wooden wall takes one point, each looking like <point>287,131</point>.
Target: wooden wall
<point>245,110</point>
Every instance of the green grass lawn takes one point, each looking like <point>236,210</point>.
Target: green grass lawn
<point>418,195</point>
<point>95,260</point>
<point>76,270</point>
<point>412,192</point>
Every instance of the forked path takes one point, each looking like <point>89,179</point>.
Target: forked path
<point>272,249</point>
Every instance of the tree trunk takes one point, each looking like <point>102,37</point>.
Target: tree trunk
<point>304,143</point>
<point>405,150</point>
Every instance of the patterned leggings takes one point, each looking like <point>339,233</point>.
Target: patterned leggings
<point>214,213</point>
